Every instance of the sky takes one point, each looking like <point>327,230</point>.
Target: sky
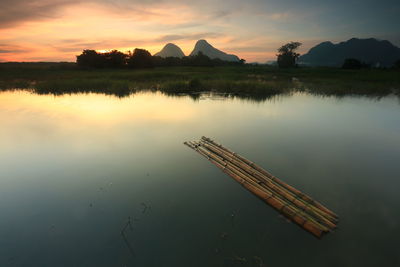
<point>58,30</point>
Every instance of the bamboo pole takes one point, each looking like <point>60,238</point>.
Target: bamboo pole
<point>266,173</point>
<point>318,214</point>
<point>307,208</point>
<point>320,220</point>
<point>269,198</point>
<point>258,168</point>
<point>296,215</point>
<point>252,180</point>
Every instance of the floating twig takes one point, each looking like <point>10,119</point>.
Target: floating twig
<point>127,243</point>
<point>128,224</point>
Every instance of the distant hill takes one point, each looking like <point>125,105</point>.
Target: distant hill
<point>371,51</point>
<point>208,50</point>
<point>170,50</point>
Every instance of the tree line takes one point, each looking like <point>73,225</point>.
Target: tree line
<point>141,58</point>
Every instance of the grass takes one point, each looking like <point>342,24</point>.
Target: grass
<point>256,82</point>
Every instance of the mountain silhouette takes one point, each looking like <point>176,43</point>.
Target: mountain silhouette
<point>208,50</point>
<point>170,50</point>
<point>371,51</point>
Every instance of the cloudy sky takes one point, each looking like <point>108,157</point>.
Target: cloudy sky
<point>57,30</point>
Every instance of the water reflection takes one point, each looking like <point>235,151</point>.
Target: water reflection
<point>73,168</point>
<point>255,95</point>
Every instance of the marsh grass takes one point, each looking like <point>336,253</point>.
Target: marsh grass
<point>257,82</point>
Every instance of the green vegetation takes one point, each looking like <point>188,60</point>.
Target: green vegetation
<point>248,81</point>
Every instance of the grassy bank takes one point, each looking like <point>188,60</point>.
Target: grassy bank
<point>258,82</point>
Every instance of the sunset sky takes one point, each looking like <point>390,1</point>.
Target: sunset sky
<point>58,30</point>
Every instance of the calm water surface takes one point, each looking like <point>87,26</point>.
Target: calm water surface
<point>74,168</point>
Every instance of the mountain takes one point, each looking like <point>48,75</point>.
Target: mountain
<point>371,51</point>
<point>170,50</point>
<point>208,50</point>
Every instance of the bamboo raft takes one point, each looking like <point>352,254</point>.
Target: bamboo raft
<point>301,209</point>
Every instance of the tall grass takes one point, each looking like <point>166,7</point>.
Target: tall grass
<point>257,82</point>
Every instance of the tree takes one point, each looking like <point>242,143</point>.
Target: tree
<point>115,59</point>
<point>140,58</point>
<point>201,60</point>
<point>287,56</point>
<point>90,59</point>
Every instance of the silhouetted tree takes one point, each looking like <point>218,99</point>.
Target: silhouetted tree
<point>287,56</point>
<point>90,59</point>
<point>115,59</point>
<point>200,60</point>
<point>158,61</point>
<point>140,58</point>
<point>166,62</point>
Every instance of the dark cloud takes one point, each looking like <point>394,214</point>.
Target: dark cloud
<point>15,11</point>
<point>8,51</point>
<point>14,49</point>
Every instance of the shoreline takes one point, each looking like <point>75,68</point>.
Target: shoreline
<point>249,81</point>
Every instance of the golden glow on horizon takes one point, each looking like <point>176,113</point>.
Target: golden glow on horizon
<point>93,26</point>
<point>98,109</point>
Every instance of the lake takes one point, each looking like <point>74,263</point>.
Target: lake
<point>75,168</point>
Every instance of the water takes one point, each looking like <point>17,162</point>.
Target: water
<point>74,168</point>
